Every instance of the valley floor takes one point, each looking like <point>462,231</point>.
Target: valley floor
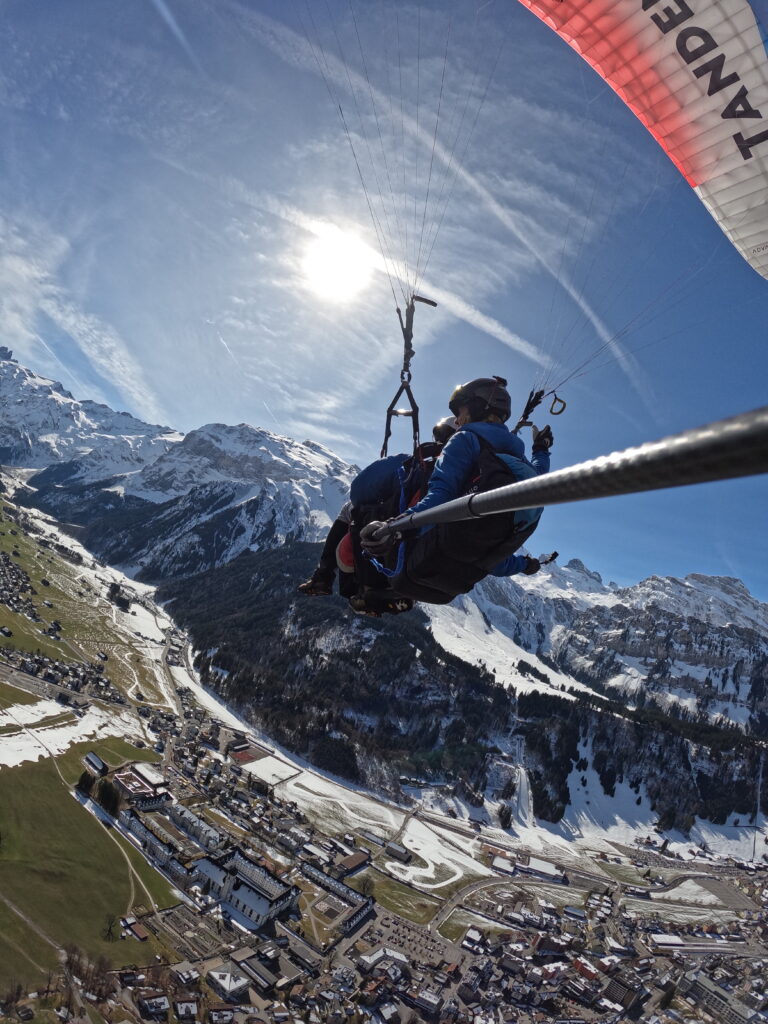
<point>439,870</point>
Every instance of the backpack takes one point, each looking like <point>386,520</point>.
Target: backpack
<point>450,558</point>
<point>371,574</point>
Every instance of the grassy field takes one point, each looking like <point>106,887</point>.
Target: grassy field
<point>439,879</point>
<point>114,750</point>
<point>63,869</point>
<point>66,718</point>
<point>10,695</point>
<point>316,926</point>
<point>400,899</point>
<point>626,873</point>
<point>456,924</point>
<point>82,609</point>
<point>24,956</point>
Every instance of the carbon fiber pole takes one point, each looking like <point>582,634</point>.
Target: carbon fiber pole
<point>728,448</point>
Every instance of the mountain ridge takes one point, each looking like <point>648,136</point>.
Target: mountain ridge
<point>225,519</point>
<point>155,501</point>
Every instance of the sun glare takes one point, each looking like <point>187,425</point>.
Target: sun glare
<point>337,265</point>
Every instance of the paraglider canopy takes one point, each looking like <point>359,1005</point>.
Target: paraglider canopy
<point>696,74</point>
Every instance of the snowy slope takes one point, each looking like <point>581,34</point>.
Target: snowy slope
<point>42,425</point>
<point>243,455</point>
<point>162,506</point>
<point>157,502</point>
<point>700,643</point>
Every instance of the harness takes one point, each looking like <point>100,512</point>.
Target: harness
<point>451,558</point>
<point>373,574</point>
<point>406,326</point>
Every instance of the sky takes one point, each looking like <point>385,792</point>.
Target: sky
<point>208,209</point>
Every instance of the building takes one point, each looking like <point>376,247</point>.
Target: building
<point>154,1006</point>
<point>228,982</point>
<point>661,942</point>
<point>135,788</point>
<point>314,852</point>
<point>355,861</point>
<point>220,1015</point>
<point>185,1009</point>
<point>576,914</point>
<point>399,852</point>
<point>371,837</point>
<point>158,847</point>
<point>149,775</point>
<point>185,974</point>
<point>263,979</point>
<point>430,1003</point>
<point>195,826</point>
<point>370,961</point>
<point>585,969</point>
<point>504,865</point>
<point>244,888</point>
<point>720,1004</point>
<point>95,763</point>
<point>624,990</point>
<point>543,869</point>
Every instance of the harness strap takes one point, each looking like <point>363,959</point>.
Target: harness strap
<point>403,504</point>
<point>406,326</point>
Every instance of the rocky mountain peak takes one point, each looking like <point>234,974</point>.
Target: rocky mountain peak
<point>43,425</point>
<point>578,566</point>
<point>250,458</point>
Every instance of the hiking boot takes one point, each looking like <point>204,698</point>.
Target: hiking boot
<point>376,604</point>
<point>319,584</point>
<point>360,605</point>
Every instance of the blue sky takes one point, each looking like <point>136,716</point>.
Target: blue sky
<point>170,166</point>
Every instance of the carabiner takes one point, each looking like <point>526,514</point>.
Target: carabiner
<point>557,407</point>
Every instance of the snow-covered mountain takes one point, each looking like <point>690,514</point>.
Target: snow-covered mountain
<point>153,500</point>
<point>221,491</point>
<point>247,457</point>
<point>42,425</point>
<point>647,678</point>
<point>697,645</point>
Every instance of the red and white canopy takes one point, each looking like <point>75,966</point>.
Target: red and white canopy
<point>695,72</point>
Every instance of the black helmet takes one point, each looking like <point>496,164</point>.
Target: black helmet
<point>483,396</point>
<point>444,429</point>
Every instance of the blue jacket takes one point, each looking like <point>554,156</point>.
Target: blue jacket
<point>454,469</point>
<point>378,481</point>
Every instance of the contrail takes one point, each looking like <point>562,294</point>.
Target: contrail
<point>457,306</point>
<point>81,387</point>
<point>165,13</point>
<point>234,358</point>
<point>271,413</point>
<point>296,50</point>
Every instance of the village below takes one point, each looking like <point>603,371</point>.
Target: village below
<point>161,861</point>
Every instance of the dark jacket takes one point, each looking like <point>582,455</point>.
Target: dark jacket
<point>378,481</point>
<point>457,465</point>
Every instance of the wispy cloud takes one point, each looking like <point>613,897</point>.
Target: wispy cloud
<point>105,350</point>
<point>30,259</point>
<point>301,52</point>
<point>165,13</point>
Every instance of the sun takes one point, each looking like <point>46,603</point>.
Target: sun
<point>336,265</point>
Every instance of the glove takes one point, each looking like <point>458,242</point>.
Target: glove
<point>532,565</point>
<point>376,546</point>
<point>542,439</point>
